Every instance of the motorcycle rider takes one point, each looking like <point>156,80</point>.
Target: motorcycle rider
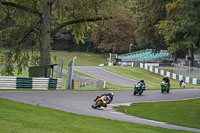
<point>109,95</point>
<point>182,83</point>
<point>166,79</point>
<point>143,83</point>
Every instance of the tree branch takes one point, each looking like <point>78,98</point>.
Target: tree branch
<point>11,4</point>
<point>54,31</point>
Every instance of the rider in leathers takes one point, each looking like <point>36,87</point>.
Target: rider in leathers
<point>110,96</point>
<point>166,79</point>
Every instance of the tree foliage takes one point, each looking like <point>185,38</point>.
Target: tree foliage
<point>181,28</point>
<point>116,35</point>
<point>153,12</point>
<point>137,9</point>
<point>36,21</point>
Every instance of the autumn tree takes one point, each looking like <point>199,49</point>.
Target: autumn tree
<point>115,35</point>
<point>181,28</point>
<point>36,21</point>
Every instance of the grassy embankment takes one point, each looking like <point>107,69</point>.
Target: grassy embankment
<point>183,113</point>
<point>25,118</point>
<point>149,77</point>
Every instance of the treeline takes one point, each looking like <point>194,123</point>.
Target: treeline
<point>118,26</point>
<point>163,24</point>
<point>169,24</point>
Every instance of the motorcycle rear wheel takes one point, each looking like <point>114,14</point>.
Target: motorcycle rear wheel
<point>168,90</point>
<point>141,92</point>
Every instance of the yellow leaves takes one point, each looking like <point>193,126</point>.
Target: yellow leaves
<point>173,5</point>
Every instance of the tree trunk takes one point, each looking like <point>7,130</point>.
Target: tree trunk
<point>191,57</point>
<point>45,35</point>
<point>175,57</point>
<point>1,42</point>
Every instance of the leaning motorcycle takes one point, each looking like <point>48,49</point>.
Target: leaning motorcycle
<point>101,102</point>
<point>138,88</point>
<point>164,87</point>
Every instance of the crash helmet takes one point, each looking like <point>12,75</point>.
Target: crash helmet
<point>142,80</point>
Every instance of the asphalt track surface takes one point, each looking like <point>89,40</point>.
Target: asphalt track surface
<point>79,102</point>
<point>107,76</point>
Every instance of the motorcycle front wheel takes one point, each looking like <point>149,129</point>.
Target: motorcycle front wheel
<point>162,90</point>
<point>134,93</point>
<point>99,104</point>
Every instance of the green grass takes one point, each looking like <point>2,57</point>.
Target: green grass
<point>149,77</point>
<point>110,86</point>
<point>18,117</point>
<point>83,59</point>
<point>183,113</point>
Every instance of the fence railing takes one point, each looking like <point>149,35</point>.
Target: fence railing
<point>85,82</point>
<point>175,76</point>
<point>187,71</point>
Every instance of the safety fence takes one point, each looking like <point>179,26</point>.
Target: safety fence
<point>86,82</point>
<point>30,83</point>
<point>186,70</point>
<point>153,69</point>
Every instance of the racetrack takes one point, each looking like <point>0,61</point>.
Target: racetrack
<point>107,76</point>
<point>80,102</point>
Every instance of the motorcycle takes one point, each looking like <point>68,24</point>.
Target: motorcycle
<point>182,84</point>
<point>138,88</point>
<point>101,102</point>
<point>164,87</point>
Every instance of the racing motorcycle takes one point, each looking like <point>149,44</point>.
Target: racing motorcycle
<point>164,87</point>
<point>101,102</point>
<point>138,88</point>
<point>182,84</point>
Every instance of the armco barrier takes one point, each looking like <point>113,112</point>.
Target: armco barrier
<point>7,82</point>
<point>30,83</point>
<point>186,79</point>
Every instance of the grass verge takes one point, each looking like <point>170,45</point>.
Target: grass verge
<point>183,113</point>
<point>83,59</point>
<point>149,77</point>
<point>25,118</point>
